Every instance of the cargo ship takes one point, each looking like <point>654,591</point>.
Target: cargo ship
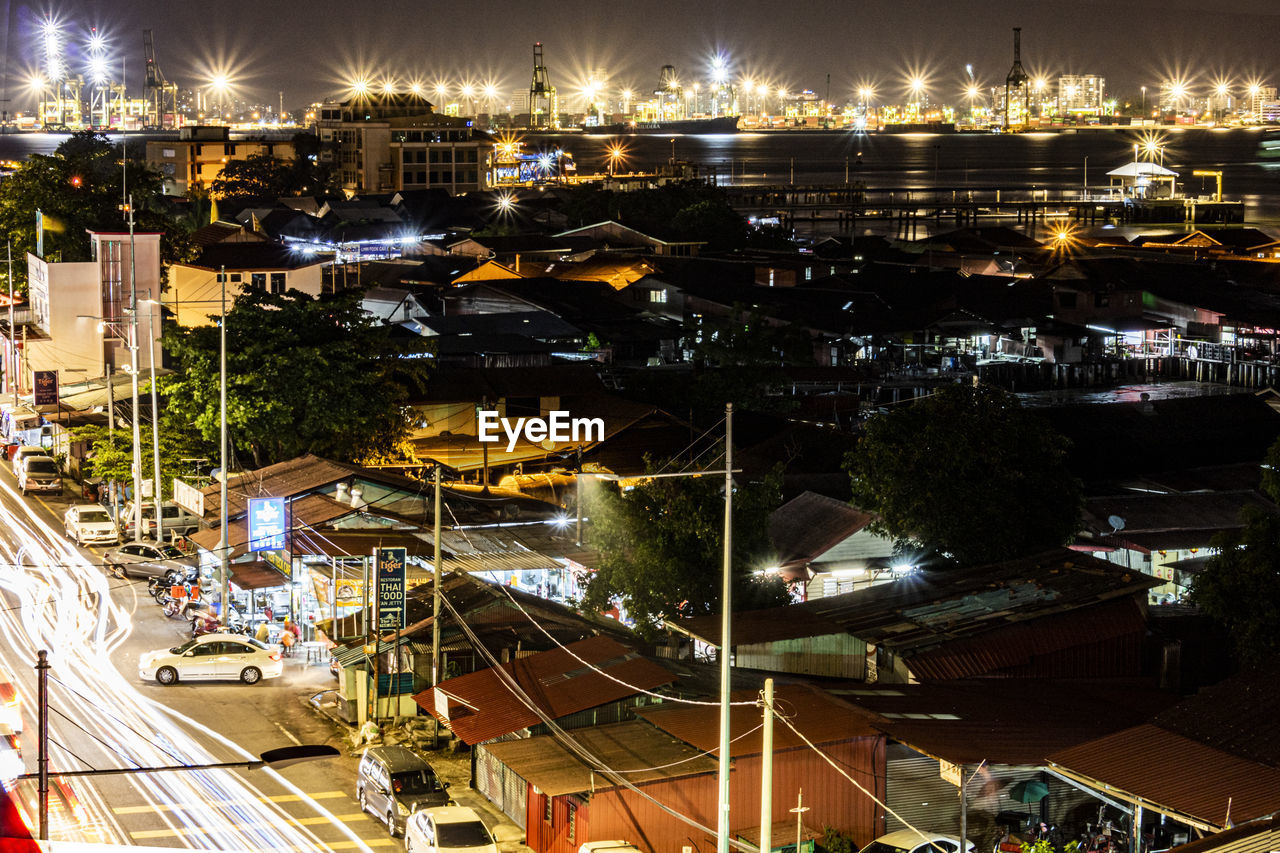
<point>719,124</point>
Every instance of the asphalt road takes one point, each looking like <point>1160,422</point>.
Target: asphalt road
<point>57,597</point>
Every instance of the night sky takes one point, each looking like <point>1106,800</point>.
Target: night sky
<point>308,48</point>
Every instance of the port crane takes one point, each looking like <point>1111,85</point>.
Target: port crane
<point>162,96</point>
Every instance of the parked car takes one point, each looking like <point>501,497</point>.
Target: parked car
<point>23,452</point>
<point>39,474</point>
<point>910,841</point>
<point>144,560</point>
<point>90,524</point>
<point>177,521</point>
<point>10,706</point>
<point>393,782</point>
<point>448,829</point>
<point>212,657</point>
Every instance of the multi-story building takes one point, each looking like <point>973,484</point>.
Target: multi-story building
<point>1259,96</point>
<point>200,153</point>
<point>397,142</point>
<point>1080,94</point>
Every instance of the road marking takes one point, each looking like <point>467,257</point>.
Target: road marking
<point>288,734</point>
<point>199,830</point>
<point>279,798</point>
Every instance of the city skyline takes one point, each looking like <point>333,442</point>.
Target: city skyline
<point>881,45</point>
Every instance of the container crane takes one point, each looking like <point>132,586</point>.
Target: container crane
<point>162,96</point>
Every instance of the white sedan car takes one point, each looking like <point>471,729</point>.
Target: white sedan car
<point>90,524</point>
<point>212,657</point>
<point>447,829</point>
<point>909,841</point>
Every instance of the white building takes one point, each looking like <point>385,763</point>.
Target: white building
<point>1081,94</point>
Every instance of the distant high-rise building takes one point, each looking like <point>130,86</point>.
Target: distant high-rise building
<point>1260,96</point>
<point>1080,94</point>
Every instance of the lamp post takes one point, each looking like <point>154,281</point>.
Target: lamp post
<point>155,423</point>
<point>133,372</point>
<point>223,541</point>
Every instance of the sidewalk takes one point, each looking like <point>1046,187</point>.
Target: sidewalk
<point>451,767</point>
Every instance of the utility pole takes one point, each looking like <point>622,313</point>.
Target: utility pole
<point>42,748</point>
<point>13,338</point>
<point>799,811</point>
<point>577,487</point>
<point>435,583</point>
<point>155,429</point>
<point>766,777</point>
<point>726,596</point>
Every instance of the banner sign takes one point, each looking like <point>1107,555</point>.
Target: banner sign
<point>267,524</point>
<point>46,387</point>
<point>188,497</point>
<point>391,587</point>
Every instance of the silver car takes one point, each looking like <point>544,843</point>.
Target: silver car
<point>145,560</point>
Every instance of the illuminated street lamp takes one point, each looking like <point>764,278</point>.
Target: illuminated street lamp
<point>468,91</point>
<point>442,94</point>
<point>615,154</point>
<point>219,85</point>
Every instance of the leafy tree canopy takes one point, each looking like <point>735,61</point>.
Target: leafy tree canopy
<point>966,472</point>
<point>661,546</point>
<point>257,176</point>
<point>304,375</point>
<point>78,188</point>
<point>111,452</point>
<point>1239,587</point>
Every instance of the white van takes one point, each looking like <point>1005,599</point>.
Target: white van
<point>177,521</point>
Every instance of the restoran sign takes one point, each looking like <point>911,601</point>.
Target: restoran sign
<point>391,587</point>
<point>267,524</point>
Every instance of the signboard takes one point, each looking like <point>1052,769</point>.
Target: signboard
<point>350,593</point>
<point>267,524</point>
<point>46,388</point>
<point>949,772</point>
<point>390,562</point>
<point>188,497</point>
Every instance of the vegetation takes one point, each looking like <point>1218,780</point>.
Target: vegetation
<point>1239,587</point>
<point>79,188</point>
<point>968,474</point>
<point>662,547</point>
<point>263,176</point>
<point>305,375</point>
<point>111,453</point>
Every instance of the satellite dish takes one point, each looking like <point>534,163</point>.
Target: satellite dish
<point>1116,522</point>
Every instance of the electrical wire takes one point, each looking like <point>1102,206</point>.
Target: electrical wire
<point>664,697</point>
<point>90,703</point>
<point>572,745</point>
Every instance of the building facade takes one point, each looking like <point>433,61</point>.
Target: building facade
<point>197,158</point>
<point>398,142</point>
<point>1081,94</point>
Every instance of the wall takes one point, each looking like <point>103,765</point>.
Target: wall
<point>195,293</point>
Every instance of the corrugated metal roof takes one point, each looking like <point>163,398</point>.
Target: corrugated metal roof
<point>349,655</point>
<point>304,512</point>
<point>482,706</point>
<point>1237,715</point>
<point>1016,722</point>
<point>1258,837</point>
<point>1018,644</point>
<point>821,717</point>
<point>1175,773</point>
<point>544,762</point>
<point>806,527</point>
<point>936,607</point>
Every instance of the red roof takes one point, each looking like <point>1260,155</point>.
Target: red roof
<point>1175,772</point>
<point>482,706</point>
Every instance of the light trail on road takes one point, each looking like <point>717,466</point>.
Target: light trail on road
<point>57,599</point>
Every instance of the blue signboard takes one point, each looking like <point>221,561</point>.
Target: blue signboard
<point>391,587</point>
<point>267,524</point>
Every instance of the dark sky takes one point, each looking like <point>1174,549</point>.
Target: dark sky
<point>307,48</point>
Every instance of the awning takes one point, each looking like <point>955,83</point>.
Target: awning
<point>256,575</point>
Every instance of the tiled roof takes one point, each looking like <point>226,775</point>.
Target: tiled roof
<point>483,707</point>
<point>822,718</point>
<point>546,763</point>
<point>1175,773</point>
<point>304,512</point>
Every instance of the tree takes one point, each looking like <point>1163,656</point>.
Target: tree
<point>1239,586</point>
<point>257,176</point>
<point>111,452</point>
<point>969,474</point>
<point>305,375</point>
<point>661,545</point>
<point>79,189</point>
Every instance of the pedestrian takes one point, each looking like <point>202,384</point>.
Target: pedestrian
<point>292,627</point>
<point>287,640</point>
<point>263,632</point>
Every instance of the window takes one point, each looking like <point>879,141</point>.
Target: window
<point>235,277</point>
<point>573,823</point>
<point>277,282</point>
<point>546,810</point>
<point>168,152</point>
<point>808,273</point>
<point>258,281</point>
<point>657,296</point>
